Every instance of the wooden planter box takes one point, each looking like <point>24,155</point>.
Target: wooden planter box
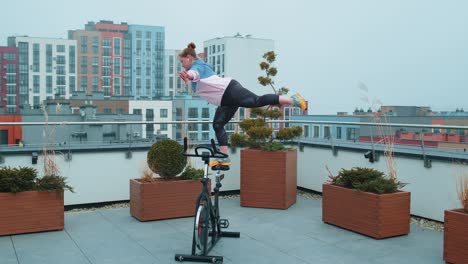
<point>164,199</point>
<point>455,236</point>
<point>268,178</point>
<point>32,211</point>
<point>375,215</point>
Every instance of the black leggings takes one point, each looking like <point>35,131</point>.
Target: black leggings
<point>234,97</point>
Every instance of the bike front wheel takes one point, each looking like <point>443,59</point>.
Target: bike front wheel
<point>201,228</point>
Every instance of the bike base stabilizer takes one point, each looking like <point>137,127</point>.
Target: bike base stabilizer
<point>194,258</point>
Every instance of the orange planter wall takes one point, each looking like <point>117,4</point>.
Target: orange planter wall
<point>455,236</point>
<point>32,211</point>
<point>374,215</point>
<point>163,199</point>
<point>268,178</point>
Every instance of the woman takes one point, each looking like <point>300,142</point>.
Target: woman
<point>226,93</point>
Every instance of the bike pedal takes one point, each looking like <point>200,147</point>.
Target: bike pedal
<point>223,223</point>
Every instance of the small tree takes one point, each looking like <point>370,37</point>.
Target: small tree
<point>165,158</point>
<point>258,134</point>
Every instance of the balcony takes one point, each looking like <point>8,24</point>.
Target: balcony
<point>100,171</point>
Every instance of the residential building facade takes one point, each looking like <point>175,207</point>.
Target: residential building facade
<point>102,57</point>
<point>47,68</point>
<point>156,111</point>
<point>188,108</point>
<point>172,68</point>
<point>147,44</point>
<point>9,74</point>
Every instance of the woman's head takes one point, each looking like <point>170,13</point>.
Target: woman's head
<point>188,56</point>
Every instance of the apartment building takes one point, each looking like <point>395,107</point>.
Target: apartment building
<point>47,68</point>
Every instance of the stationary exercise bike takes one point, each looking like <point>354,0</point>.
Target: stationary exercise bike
<point>208,224</point>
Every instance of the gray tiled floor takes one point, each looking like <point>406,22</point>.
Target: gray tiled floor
<point>296,235</point>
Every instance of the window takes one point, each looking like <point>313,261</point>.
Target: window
<point>149,114</point>
<point>351,134</point>
<point>163,127</point>
<point>205,112</point>
<point>36,101</point>
<point>84,65</point>
<point>192,112</point>
<point>171,82</point>
<point>60,80</point>
<point>117,86</point>
<point>326,132</point>
<point>84,44</point>
<point>106,42</point>
<point>316,131</point>
<point>205,127</point>
<point>9,56</point>
<point>95,84</point>
<point>36,84</point>
<point>171,64</point>
<point>72,82</point>
<point>95,45</point>
<point>60,70</point>
<point>61,59</point>
<point>48,84</point>
<point>148,45</point>
<point>205,136</point>
<point>72,59</point>
<point>137,111</point>
<point>95,65</point>
<point>36,50</point>
<point>163,112</point>
<point>117,46</point>
<point>84,83</point>
<point>338,132</point>
<point>60,48</point>
<point>193,136</point>
<point>306,131</point>
<point>116,66</point>
<point>192,127</point>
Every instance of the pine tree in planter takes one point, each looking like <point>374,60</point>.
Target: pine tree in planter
<point>169,195</point>
<point>268,168</point>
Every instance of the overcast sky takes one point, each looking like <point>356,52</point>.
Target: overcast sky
<point>406,52</point>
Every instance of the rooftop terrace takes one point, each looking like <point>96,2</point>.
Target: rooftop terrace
<point>296,235</point>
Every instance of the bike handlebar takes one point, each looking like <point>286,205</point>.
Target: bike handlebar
<point>213,151</point>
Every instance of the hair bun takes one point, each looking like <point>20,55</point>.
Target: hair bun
<point>191,45</point>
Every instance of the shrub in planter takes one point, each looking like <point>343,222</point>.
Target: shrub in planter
<point>366,180</point>
<point>366,201</point>
<point>31,204</point>
<point>165,158</point>
<point>168,196</point>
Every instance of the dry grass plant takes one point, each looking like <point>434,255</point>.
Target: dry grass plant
<point>50,167</point>
<point>385,133</point>
<point>147,176</point>
<point>462,185</point>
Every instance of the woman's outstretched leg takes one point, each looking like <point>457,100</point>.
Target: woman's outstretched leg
<point>237,95</point>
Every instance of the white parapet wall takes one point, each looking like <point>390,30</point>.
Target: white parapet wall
<point>104,176</point>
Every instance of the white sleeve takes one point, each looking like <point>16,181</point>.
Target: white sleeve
<point>194,75</point>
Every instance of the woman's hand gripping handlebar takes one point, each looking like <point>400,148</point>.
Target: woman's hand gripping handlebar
<point>213,151</point>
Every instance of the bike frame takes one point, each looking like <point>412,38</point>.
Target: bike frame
<point>205,200</point>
